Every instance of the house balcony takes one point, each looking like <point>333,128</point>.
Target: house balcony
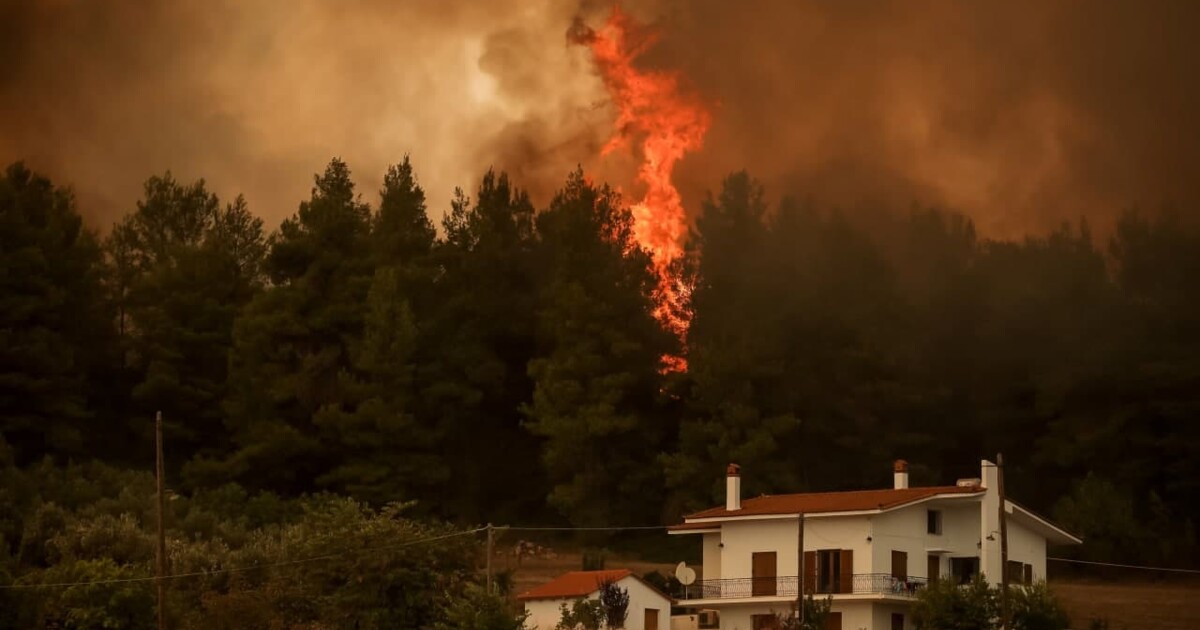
<point>857,586</point>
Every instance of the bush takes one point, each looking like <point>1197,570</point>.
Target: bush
<point>1035,608</point>
<point>944,605</point>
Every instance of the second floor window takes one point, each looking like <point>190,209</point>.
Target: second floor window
<point>934,519</point>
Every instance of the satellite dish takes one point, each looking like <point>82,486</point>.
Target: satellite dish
<point>685,574</point>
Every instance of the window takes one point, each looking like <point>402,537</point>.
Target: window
<point>764,622</point>
<point>897,621</point>
<point>710,620</point>
<point>829,570</point>
<point>934,522</point>
<point>900,565</point>
<point>1020,573</point>
<point>964,569</point>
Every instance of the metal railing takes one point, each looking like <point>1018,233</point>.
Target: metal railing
<point>787,585</point>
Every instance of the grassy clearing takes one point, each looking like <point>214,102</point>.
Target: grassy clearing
<point>1132,606</point>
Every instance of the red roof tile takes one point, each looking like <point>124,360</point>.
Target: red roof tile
<point>574,584</point>
<point>819,502</point>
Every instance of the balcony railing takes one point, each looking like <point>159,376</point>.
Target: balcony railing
<point>784,586</point>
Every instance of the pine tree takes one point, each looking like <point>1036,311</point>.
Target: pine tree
<point>596,378</point>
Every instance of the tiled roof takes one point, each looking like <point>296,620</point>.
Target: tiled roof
<point>574,584</point>
<point>819,502</point>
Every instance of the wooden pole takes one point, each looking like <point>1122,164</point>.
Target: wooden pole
<point>490,542</point>
<point>161,568</point>
<point>800,567</point>
<point>1003,542</point>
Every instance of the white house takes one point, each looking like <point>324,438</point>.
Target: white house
<point>649,609</point>
<point>870,550</point>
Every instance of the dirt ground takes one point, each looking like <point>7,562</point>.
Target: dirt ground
<point>1131,606</point>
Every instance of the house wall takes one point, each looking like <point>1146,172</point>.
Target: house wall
<point>744,538</point>
<point>642,597</point>
<point>856,615</point>
<point>989,553</point>
<point>544,614</point>
<point>906,530</point>
<point>712,557</point>
<point>881,616</point>
<point>1028,547</point>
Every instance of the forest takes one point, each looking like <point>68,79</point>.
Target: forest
<point>359,376</point>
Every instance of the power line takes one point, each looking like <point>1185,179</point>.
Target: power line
<point>1125,566</point>
<point>582,529</point>
<point>266,565</point>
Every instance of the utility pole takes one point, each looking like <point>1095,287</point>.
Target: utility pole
<point>1003,542</point>
<point>800,567</point>
<point>490,542</point>
<point>161,563</point>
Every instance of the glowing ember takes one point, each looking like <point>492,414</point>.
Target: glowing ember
<point>665,124</point>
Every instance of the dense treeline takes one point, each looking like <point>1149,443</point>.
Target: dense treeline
<point>506,367</point>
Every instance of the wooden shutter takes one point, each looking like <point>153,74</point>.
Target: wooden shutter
<point>934,572</point>
<point>833,621</point>
<point>651,619</point>
<point>762,573</point>
<point>846,580</point>
<point>810,571</point>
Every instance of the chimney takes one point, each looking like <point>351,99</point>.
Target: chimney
<point>900,474</point>
<point>733,488</point>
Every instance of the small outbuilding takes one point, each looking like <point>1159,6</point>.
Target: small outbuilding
<point>649,609</point>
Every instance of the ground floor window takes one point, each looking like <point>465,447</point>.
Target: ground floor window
<point>964,569</point>
<point>897,621</point>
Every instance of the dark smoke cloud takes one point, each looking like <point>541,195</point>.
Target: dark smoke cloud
<point>1022,114</point>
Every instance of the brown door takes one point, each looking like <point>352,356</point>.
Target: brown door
<point>651,620</point>
<point>764,622</point>
<point>897,621</point>
<point>833,621</point>
<point>900,565</point>
<point>934,573</point>
<point>762,574</point>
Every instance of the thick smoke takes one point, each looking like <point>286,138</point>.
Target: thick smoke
<point>1022,114</point>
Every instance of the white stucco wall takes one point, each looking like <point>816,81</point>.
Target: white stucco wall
<point>882,617</point>
<point>906,530</point>
<point>711,569</point>
<point>743,538</point>
<point>1028,547</point>
<point>856,615</point>
<point>989,554</point>
<point>544,614</point>
<point>642,597</point>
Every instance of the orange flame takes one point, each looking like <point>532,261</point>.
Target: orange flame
<point>652,111</point>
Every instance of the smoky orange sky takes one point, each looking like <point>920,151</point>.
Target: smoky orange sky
<point>1021,114</point>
